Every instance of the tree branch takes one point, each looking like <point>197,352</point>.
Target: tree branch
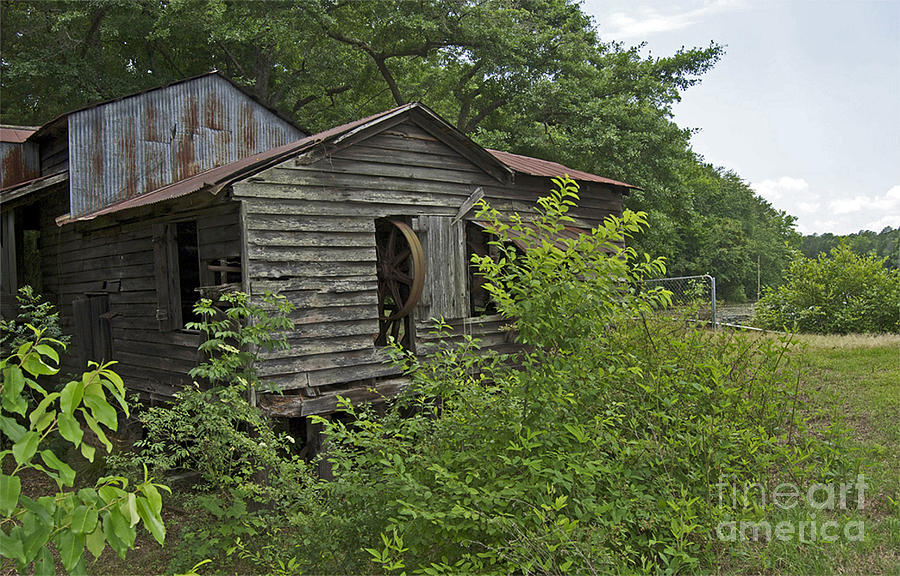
<point>485,112</point>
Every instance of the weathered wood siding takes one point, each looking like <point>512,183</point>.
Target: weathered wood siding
<point>116,257</point>
<point>310,232</point>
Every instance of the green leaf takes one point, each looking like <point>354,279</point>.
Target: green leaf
<point>70,429</point>
<point>13,384</point>
<point>35,366</point>
<point>37,529</point>
<point>70,397</point>
<point>70,547</point>
<point>65,471</point>
<point>10,488</point>
<point>153,497</point>
<point>11,545</point>
<point>88,452</point>
<point>12,429</point>
<point>84,520</point>
<point>24,449</point>
<point>119,534</point>
<point>152,519</point>
<point>41,408</point>
<point>45,350</point>
<point>93,425</point>
<point>102,411</point>
<point>44,421</point>
<point>44,564</point>
<point>96,541</point>
<point>129,509</point>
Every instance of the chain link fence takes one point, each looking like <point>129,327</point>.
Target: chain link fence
<point>696,294</point>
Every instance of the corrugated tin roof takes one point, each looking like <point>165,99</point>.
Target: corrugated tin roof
<point>16,134</point>
<point>218,178</point>
<point>538,167</point>
<point>47,126</point>
<point>135,145</point>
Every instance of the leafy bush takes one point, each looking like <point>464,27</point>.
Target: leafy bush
<point>840,292</point>
<point>595,449</point>
<point>35,312</point>
<point>252,481</point>
<point>71,520</point>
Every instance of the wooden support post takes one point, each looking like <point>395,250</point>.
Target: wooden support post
<point>316,443</point>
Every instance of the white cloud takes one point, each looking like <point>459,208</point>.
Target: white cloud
<point>820,211</point>
<point>645,21</point>
<point>773,190</point>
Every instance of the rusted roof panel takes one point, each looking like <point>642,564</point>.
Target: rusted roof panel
<point>538,167</point>
<point>132,146</point>
<point>19,161</point>
<point>16,133</point>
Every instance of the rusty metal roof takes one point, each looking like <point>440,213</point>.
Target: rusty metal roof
<point>40,131</point>
<point>538,167</point>
<point>17,134</point>
<point>215,179</point>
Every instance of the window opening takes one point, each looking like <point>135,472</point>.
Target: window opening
<point>188,269</point>
<point>478,244</point>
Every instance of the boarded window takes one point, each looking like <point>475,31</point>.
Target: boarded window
<point>92,329</point>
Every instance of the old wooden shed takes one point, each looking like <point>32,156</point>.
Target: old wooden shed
<point>141,204</point>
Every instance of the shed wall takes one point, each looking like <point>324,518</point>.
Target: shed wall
<point>116,258</point>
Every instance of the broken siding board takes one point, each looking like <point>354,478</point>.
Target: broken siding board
<point>324,345</point>
<point>335,285</point>
<point>334,329</point>
<point>335,313</point>
<point>329,239</point>
<point>286,270</point>
<point>351,373</point>
<point>351,167</point>
<point>325,223</point>
<point>312,255</point>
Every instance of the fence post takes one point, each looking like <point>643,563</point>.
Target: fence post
<point>712,282</point>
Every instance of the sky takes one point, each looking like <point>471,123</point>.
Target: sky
<point>805,104</point>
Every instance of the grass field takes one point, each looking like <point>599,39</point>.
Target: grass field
<point>850,382</point>
<point>847,381</point>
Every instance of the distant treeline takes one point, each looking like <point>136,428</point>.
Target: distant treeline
<point>882,244</point>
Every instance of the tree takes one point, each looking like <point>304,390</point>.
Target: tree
<point>527,76</point>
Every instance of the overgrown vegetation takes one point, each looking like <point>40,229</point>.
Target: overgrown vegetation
<point>839,292</point>
<point>595,450</point>
<point>82,413</point>
<point>251,479</point>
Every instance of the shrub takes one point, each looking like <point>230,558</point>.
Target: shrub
<point>252,481</point>
<point>840,292</point>
<point>35,312</point>
<point>70,520</point>
<point>595,449</point>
